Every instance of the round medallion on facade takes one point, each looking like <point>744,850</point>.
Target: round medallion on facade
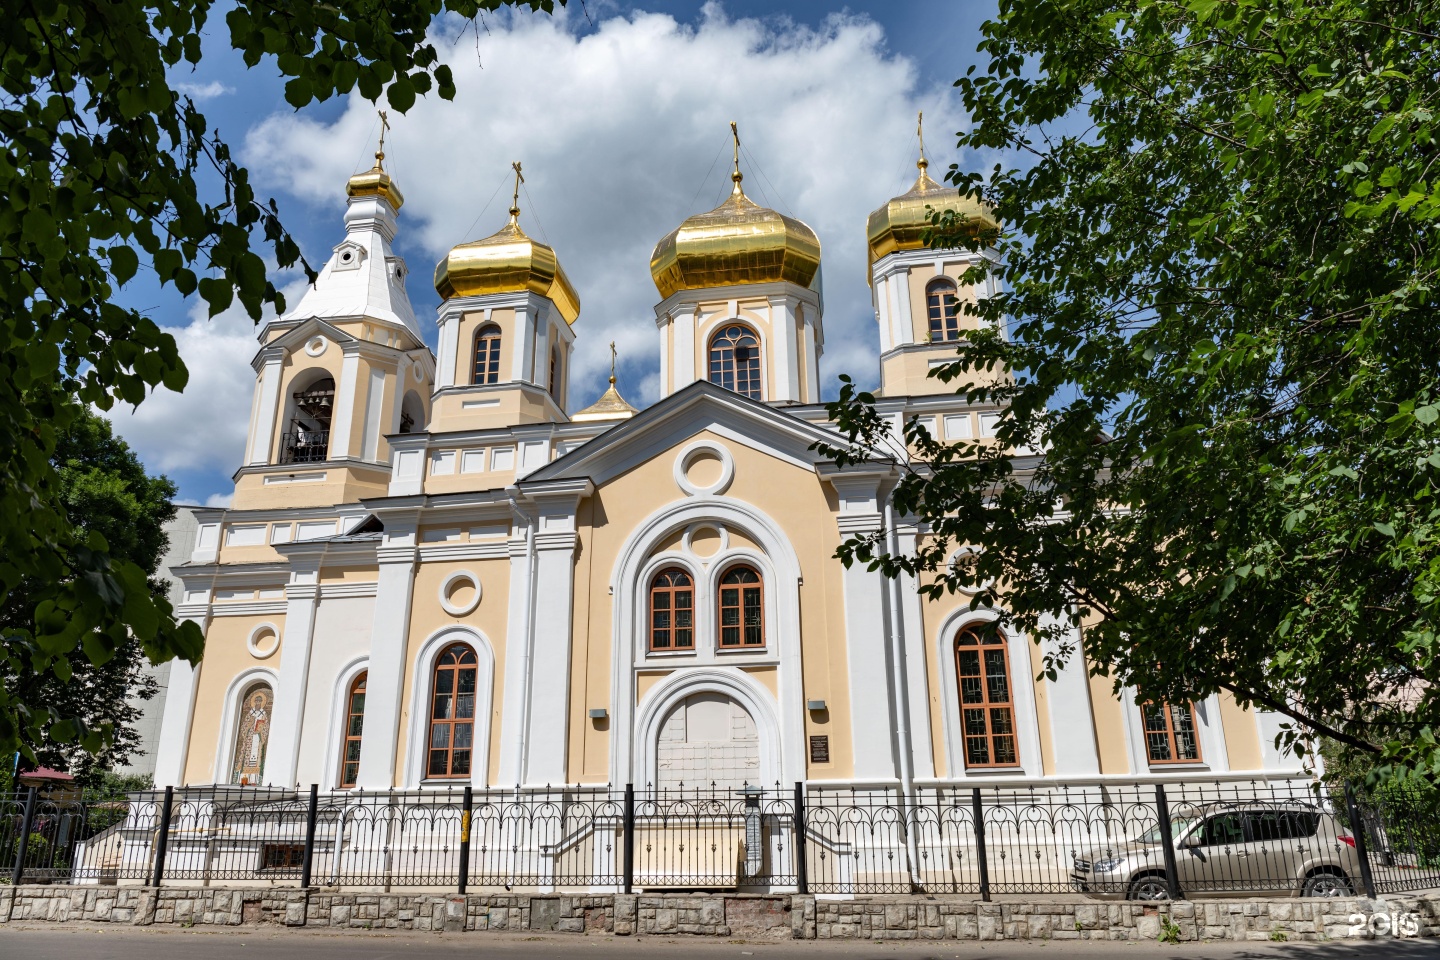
<point>316,346</point>
<point>705,540</point>
<point>460,593</point>
<point>263,641</point>
<point>704,469</point>
<point>966,557</point>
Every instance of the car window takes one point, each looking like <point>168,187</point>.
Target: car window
<point>1221,830</point>
<point>1281,824</point>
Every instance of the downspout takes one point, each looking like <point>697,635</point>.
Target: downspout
<point>902,701</point>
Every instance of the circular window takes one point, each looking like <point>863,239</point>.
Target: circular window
<point>347,256</point>
<point>460,593</point>
<point>417,373</point>
<point>704,469</point>
<point>316,346</point>
<point>963,562</point>
<point>263,641</point>
<point>705,541</point>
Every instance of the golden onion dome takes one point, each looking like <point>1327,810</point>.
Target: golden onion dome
<point>375,182</point>
<point>507,262</point>
<point>737,242</point>
<point>901,223</point>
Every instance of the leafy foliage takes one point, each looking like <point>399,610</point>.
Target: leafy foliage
<point>1219,357</point>
<point>105,171</point>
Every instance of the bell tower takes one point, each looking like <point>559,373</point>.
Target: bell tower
<point>342,370</point>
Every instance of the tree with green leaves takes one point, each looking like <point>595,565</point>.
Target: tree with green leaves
<point>1219,334</point>
<point>104,490</point>
<point>105,170</point>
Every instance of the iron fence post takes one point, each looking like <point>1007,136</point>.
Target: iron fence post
<point>22,845</point>
<point>981,857</point>
<point>629,849</point>
<point>162,842</point>
<point>466,806</point>
<point>802,869</point>
<point>1362,847</point>
<point>307,861</point>
<point>1167,843</point>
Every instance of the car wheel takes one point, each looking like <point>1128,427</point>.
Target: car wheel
<point>1327,885</point>
<point>1149,888</point>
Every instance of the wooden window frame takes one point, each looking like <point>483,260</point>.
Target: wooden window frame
<point>988,638</point>
<point>480,372</point>
<point>554,375</point>
<point>1170,739</point>
<point>942,320</point>
<point>671,591</point>
<point>352,732</point>
<point>715,364</point>
<point>721,607</point>
<point>454,720</point>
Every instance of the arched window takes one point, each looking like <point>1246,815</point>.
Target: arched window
<point>735,360</point>
<point>308,438</point>
<point>487,355</point>
<point>252,735</point>
<point>1170,733</point>
<point>987,712</point>
<point>555,374</point>
<point>944,308</point>
<point>742,610</point>
<point>452,714</point>
<point>672,611</point>
<point>354,721</point>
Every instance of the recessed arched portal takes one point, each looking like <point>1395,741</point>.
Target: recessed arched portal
<point>707,739</point>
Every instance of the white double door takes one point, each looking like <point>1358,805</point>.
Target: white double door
<point>707,739</point>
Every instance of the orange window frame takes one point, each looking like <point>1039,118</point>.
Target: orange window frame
<point>453,695</point>
<point>486,369</point>
<point>741,609</point>
<point>672,599</point>
<point>942,301</point>
<point>987,700</point>
<point>1166,733</point>
<point>350,738</point>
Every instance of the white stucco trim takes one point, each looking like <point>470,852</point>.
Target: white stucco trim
<point>687,456</point>
<point>231,716</point>
<point>459,609</point>
<point>424,667</point>
<point>1214,757</point>
<point>727,681</point>
<point>339,714</point>
<point>781,566</point>
<point>255,649</point>
<point>1022,686</point>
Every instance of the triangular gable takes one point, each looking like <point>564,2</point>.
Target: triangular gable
<point>297,336</point>
<point>699,407</point>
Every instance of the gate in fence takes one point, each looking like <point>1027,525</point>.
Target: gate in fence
<point>1125,840</point>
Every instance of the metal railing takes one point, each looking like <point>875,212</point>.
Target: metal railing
<point>304,446</point>
<point>1130,840</point>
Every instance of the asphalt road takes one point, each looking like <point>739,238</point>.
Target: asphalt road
<point>101,942</point>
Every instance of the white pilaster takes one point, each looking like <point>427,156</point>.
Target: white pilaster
<point>344,416</point>
<point>812,357</point>
<point>783,339</point>
<point>524,349</point>
<point>513,710</point>
<point>388,669</point>
<point>912,626</point>
<point>683,339</point>
<point>287,718</point>
<point>1076,753</point>
<point>449,349</point>
<point>262,431</point>
<point>172,749</point>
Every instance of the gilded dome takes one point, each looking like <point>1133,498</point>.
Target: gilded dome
<point>507,262</point>
<point>737,242</point>
<point>901,223</point>
<point>375,182</point>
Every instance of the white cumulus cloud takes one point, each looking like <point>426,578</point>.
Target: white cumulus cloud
<point>618,127</point>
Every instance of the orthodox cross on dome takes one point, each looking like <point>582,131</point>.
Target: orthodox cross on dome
<point>612,363</point>
<point>922,163</point>
<point>380,151</point>
<point>515,199</point>
<point>736,176</point>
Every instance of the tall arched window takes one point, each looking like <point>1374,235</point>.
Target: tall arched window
<point>452,714</point>
<point>252,735</point>
<point>354,721</point>
<point>308,438</point>
<point>487,355</point>
<point>735,360</point>
<point>555,374</point>
<point>944,308</point>
<point>742,608</point>
<point>1170,735</point>
<point>672,611</point>
<point>987,712</point>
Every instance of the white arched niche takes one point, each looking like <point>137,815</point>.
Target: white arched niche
<point>1022,699</point>
<point>239,686</point>
<point>637,558</point>
<point>339,716</point>
<point>419,732</point>
<point>730,682</point>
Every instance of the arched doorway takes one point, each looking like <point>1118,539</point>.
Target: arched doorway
<point>708,738</point>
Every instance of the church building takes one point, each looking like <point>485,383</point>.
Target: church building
<point>437,570</point>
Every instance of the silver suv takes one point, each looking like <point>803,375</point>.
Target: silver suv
<point>1227,849</point>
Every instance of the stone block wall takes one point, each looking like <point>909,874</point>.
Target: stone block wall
<point>736,916</point>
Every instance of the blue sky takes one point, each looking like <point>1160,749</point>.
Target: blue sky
<point>617,111</point>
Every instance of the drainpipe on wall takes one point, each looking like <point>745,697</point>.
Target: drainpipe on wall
<point>902,698</point>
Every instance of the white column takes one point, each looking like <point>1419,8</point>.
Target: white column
<point>517,651</point>
<point>340,424</point>
<point>666,343</point>
<point>388,667</point>
<point>449,349</point>
<point>287,718</point>
<point>912,626</point>
<point>1072,722</point>
<point>904,318</point>
<point>547,740</point>
<point>683,346</point>
<point>784,362</point>
<point>541,364</point>
<point>267,413</point>
<point>812,356</point>
<point>520,369</point>
<point>172,748</point>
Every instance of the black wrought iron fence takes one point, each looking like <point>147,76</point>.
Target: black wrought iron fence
<point>1135,841</point>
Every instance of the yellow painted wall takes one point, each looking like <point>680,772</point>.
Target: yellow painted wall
<point>226,657</point>
<point>1242,734</point>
